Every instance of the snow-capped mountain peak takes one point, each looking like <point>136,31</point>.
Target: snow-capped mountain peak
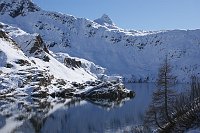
<point>105,19</point>
<point>17,7</point>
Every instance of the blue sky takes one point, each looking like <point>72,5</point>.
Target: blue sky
<point>133,14</point>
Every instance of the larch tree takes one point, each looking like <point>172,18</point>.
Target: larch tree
<point>160,111</point>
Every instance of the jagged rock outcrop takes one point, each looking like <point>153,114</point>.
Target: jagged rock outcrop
<point>105,19</point>
<point>17,7</point>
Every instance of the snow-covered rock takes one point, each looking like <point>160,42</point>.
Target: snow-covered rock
<point>104,20</point>
<point>107,90</point>
<point>15,8</point>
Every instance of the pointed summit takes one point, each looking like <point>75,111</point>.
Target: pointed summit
<point>104,20</point>
<point>15,8</point>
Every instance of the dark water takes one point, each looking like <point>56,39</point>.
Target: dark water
<point>88,117</point>
<point>76,116</point>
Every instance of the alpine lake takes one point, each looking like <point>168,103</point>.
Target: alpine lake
<point>57,115</point>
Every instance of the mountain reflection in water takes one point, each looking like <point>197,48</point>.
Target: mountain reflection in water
<point>50,115</point>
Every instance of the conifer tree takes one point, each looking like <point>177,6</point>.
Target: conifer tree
<point>160,111</point>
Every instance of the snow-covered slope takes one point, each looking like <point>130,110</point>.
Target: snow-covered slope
<point>136,55</point>
<point>26,65</point>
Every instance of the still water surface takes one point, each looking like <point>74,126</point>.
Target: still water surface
<point>77,116</point>
<point>88,117</point>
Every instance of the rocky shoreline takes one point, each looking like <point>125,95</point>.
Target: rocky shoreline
<point>92,90</point>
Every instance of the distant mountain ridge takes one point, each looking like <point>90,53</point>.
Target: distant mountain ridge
<point>136,55</point>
